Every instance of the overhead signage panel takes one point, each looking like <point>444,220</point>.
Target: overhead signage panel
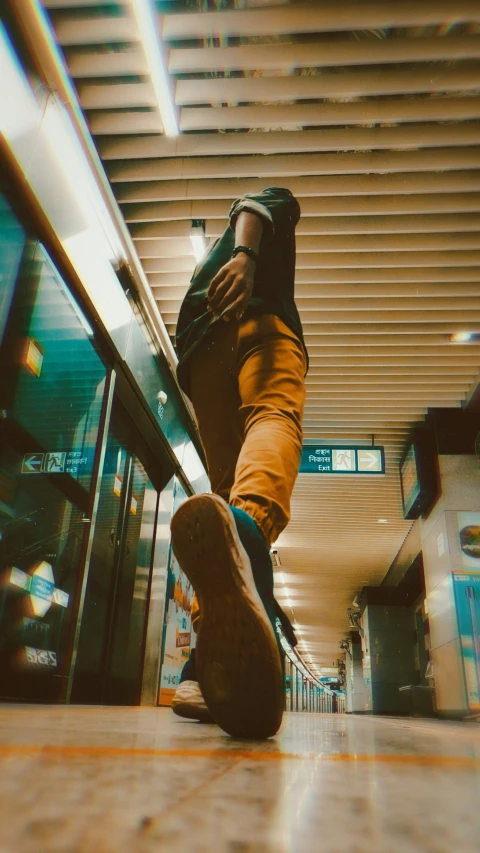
<point>58,462</point>
<point>321,459</point>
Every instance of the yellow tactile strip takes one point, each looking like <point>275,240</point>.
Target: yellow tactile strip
<point>50,750</point>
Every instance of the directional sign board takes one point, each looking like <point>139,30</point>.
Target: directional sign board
<point>58,462</point>
<point>320,459</point>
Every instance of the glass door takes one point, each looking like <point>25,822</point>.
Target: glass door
<point>110,653</point>
<point>51,399</point>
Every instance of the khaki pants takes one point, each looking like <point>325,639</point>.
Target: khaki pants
<point>247,389</point>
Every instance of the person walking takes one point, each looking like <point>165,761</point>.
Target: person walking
<point>242,363</point>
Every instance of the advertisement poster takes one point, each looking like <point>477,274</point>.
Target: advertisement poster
<point>177,631</point>
<point>467,599</point>
<point>469,534</point>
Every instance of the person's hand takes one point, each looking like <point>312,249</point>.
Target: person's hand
<point>230,290</point>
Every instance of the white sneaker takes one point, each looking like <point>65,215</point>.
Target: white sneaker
<point>188,702</point>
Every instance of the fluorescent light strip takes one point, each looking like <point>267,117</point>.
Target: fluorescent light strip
<point>147,21</point>
<point>198,239</point>
<point>199,246</point>
<point>84,185</point>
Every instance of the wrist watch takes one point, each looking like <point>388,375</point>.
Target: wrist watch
<point>247,251</point>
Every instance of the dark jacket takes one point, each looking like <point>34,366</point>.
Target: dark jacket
<point>273,289</point>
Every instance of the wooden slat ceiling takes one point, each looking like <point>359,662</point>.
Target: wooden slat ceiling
<point>369,113</point>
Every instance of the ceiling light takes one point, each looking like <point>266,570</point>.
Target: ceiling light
<point>48,152</point>
<point>461,337</point>
<point>147,21</point>
<point>197,236</point>
<point>382,521</point>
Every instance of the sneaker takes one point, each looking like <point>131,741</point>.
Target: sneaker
<point>239,668</point>
<point>189,703</point>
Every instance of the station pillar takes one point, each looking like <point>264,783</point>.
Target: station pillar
<point>450,538</point>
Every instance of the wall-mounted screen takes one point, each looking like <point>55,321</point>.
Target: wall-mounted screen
<point>418,476</point>
<point>409,480</point>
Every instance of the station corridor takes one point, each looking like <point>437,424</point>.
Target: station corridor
<point>78,779</point>
<point>328,151</point>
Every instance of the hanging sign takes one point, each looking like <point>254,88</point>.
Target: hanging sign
<point>321,459</point>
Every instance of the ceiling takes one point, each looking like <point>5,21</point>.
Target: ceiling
<point>369,113</point>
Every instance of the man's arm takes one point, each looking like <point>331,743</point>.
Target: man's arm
<point>232,286</point>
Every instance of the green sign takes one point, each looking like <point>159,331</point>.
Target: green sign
<point>320,459</point>
<point>57,462</point>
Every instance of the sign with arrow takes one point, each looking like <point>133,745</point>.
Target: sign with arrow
<point>370,460</point>
<point>323,459</point>
<point>58,462</point>
<point>32,463</point>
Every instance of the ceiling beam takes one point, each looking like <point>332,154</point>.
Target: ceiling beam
<point>321,54</point>
<point>153,249</point>
<point>85,30</point>
<point>385,260</point>
<point>435,277</point>
<point>109,123</point>
<point>331,139</point>
<point>424,329</point>
<point>314,18</point>
<point>282,167</point>
<point>100,96</point>
<point>426,332</point>
<point>311,186</point>
<point>166,286</point>
<point>86,63</point>
<point>323,225</point>
<point>388,291</point>
<point>387,242</point>
<point>386,373</point>
<point>375,389</point>
<point>294,116</point>
<point>167,211</point>
<point>348,84</point>
<point>387,358</point>
<point>410,264</point>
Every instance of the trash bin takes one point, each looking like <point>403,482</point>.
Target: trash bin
<point>420,699</point>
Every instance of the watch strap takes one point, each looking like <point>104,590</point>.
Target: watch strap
<point>247,251</point>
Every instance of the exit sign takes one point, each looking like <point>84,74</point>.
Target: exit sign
<point>320,459</point>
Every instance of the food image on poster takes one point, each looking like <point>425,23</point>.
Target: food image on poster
<point>469,534</point>
<point>177,633</point>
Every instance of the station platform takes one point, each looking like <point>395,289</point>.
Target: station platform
<point>139,780</point>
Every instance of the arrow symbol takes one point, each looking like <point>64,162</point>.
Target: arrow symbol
<point>32,463</point>
<point>370,460</point>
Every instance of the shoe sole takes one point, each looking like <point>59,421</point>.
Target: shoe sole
<point>238,663</point>
<point>190,712</point>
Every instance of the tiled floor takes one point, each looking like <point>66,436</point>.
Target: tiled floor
<point>138,780</point>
